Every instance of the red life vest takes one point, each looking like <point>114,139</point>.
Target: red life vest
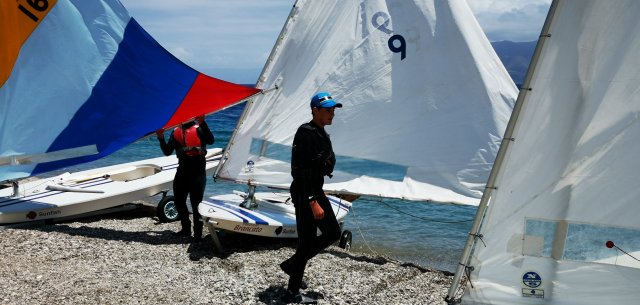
<point>191,144</point>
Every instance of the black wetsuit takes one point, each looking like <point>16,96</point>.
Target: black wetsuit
<point>190,178</point>
<point>312,158</point>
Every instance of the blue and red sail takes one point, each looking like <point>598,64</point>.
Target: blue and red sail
<point>82,79</point>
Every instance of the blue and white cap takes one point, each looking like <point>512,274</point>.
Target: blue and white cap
<point>324,100</point>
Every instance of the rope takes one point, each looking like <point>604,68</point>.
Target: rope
<point>610,244</point>
<point>423,218</point>
<point>353,210</point>
<point>23,190</point>
<point>387,256</point>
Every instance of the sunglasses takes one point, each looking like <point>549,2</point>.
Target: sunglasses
<point>324,98</point>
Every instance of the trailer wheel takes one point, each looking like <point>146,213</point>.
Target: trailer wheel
<point>345,240</point>
<point>166,209</point>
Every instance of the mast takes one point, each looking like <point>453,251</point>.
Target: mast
<point>259,82</point>
<point>463,265</point>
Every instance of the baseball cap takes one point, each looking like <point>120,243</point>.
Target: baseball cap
<point>324,100</point>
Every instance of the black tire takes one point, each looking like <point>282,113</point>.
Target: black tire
<point>166,210</point>
<point>345,240</point>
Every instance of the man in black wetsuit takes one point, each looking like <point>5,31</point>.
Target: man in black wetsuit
<point>312,158</point>
<point>189,140</point>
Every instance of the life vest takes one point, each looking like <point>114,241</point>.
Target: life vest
<point>188,138</point>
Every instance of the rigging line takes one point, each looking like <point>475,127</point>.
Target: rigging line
<point>23,191</point>
<point>625,252</point>
<point>360,231</point>
<point>423,218</point>
<point>610,244</point>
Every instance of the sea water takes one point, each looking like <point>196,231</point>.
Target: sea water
<point>428,234</point>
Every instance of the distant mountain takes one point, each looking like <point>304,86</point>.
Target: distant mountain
<point>515,57</point>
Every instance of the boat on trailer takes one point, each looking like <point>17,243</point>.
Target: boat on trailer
<point>74,194</point>
<point>267,214</point>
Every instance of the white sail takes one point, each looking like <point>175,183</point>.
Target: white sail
<point>567,185</point>
<point>426,100</point>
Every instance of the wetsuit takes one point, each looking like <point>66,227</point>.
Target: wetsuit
<point>312,158</point>
<point>190,178</point>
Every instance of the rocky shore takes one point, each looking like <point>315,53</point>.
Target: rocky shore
<point>131,258</point>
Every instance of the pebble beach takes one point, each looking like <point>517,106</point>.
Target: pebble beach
<point>130,257</point>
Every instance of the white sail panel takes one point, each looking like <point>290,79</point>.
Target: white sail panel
<point>426,100</point>
<point>568,183</point>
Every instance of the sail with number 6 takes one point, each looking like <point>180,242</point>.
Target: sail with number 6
<point>426,100</point>
<point>81,79</point>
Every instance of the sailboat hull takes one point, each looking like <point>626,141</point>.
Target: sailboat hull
<point>272,216</point>
<point>69,195</point>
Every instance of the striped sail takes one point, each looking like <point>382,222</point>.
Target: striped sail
<point>82,79</point>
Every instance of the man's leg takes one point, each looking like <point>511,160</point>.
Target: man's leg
<point>306,237</point>
<point>328,225</point>
<point>180,192</point>
<point>196,196</point>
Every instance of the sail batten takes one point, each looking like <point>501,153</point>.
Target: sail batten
<point>75,152</point>
<point>425,100</point>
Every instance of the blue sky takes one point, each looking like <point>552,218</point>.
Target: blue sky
<point>231,39</point>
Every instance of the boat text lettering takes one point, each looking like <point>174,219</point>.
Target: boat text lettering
<point>247,228</point>
<point>289,231</point>
<point>49,213</point>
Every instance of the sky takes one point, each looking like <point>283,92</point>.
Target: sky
<point>231,39</point>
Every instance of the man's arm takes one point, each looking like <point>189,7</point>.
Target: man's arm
<point>166,148</point>
<point>206,136</point>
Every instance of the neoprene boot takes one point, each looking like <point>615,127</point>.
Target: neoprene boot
<point>286,266</point>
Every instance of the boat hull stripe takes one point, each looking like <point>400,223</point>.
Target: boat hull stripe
<point>239,212</point>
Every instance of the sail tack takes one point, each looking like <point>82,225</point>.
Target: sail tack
<point>82,79</point>
<point>426,100</point>
<point>562,225</point>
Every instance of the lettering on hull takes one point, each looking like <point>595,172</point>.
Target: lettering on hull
<point>251,228</point>
<point>33,215</point>
<point>289,231</point>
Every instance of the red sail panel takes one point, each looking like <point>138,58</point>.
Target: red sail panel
<point>208,95</point>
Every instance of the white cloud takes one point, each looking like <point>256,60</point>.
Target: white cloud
<point>515,20</point>
<point>218,36</point>
<point>214,35</point>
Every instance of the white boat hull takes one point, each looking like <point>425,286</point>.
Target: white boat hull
<point>92,190</point>
<point>273,216</point>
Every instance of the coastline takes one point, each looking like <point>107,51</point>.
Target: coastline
<point>131,258</point>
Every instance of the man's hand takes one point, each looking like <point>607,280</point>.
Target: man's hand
<point>316,209</point>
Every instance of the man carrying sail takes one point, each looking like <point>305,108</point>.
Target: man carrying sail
<point>189,140</point>
<point>312,158</point>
